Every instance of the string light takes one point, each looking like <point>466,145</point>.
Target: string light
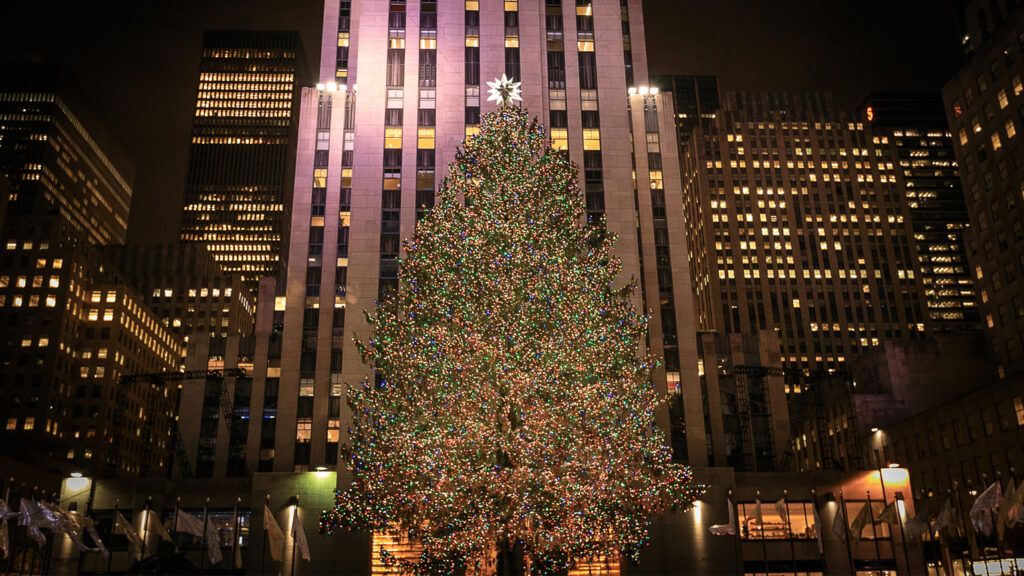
<point>512,404</point>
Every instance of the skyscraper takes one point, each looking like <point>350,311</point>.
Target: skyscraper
<point>919,139</point>
<point>983,104</point>
<point>56,154</point>
<point>243,141</point>
<point>399,89</point>
<point>696,101</point>
<point>797,223</point>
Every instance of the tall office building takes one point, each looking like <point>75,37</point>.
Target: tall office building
<point>243,142</point>
<point>55,153</point>
<point>919,139</point>
<point>186,288</point>
<point>400,88</point>
<point>696,99</point>
<point>983,104</point>
<point>70,330</point>
<point>797,223</point>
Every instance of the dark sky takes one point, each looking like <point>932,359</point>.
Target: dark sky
<point>137,60</point>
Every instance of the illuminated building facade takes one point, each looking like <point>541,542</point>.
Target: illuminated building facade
<point>797,223</point>
<point>185,287</point>
<point>919,139</point>
<point>242,152</point>
<point>983,105</point>
<point>399,89</point>
<point>71,329</point>
<point>55,154</point>
<point>696,100</point>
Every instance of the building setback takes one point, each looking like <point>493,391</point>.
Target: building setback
<point>797,223</point>
<point>984,105</point>
<point>243,147</point>
<point>696,100</point>
<point>919,139</point>
<point>186,288</point>
<point>55,154</point>
<point>70,330</point>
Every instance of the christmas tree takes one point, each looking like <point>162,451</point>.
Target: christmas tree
<point>513,408</point>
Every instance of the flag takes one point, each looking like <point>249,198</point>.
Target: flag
<point>33,517</point>
<point>158,526</point>
<point>1002,520</point>
<point>984,506</point>
<point>123,526</point>
<point>945,517</point>
<point>839,524</point>
<point>817,528</point>
<point>275,537</point>
<point>726,529</point>
<point>758,513</point>
<point>213,543</point>
<point>90,527</point>
<point>188,524</point>
<point>1015,510</point>
<point>917,525</point>
<point>5,536</point>
<point>299,536</point>
<point>889,515</point>
<point>859,522</point>
<point>783,510</point>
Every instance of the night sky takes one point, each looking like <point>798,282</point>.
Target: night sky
<point>137,61</point>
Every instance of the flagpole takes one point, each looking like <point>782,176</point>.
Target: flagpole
<point>846,528</point>
<point>874,532</point>
<point>145,528</point>
<point>295,518</point>
<point>1013,553</point>
<point>206,518</point>
<point>177,512</point>
<point>789,529</point>
<point>903,533</point>
<point>970,539</point>
<point>234,537</point>
<point>263,551</point>
<point>110,558</point>
<point>999,542</point>
<point>818,531</point>
<point>764,543</point>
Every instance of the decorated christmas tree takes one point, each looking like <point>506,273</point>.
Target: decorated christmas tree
<point>513,408</point>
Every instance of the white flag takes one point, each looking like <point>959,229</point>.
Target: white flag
<point>783,510</point>
<point>213,543</point>
<point>90,527</point>
<point>1003,519</point>
<point>236,544</point>
<point>726,529</point>
<point>158,526</point>
<point>889,515</point>
<point>918,525</point>
<point>188,524</point>
<point>275,537</point>
<point>1015,511</point>
<point>839,524</point>
<point>123,526</point>
<point>5,535</point>
<point>817,528</point>
<point>859,522</point>
<point>758,513</point>
<point>983,508</point>
<point>299,536</point>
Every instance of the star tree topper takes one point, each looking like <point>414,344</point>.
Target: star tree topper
<point>504,90</point>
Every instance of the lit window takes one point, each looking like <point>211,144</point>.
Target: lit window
<point>343,39</point>
<point>58,263</point>
<point>1003,100</point>
<point>96,297</point>
<point>425,138</point>
<point>393,137</point>
<point>963,137</point>
<point>472,131</point>
<point>560,138</point>
<point>396,42</point>
<point>996,142</point>
<point>51,301</point>
<point>320,178</point>
<point>472,41</point>
<point>1011,129</point>
<point>108,315</point>
<point>54,281</point>
<point>472,5</point>
<point>12,423</point>
<point>428,43</point>
<point>591,139</point>
<point>512,42</point>
<point>111,297</point>
<point>772,525</point>
<point>87,454</point>
<point>1018,407</point>
<point>30,423</point>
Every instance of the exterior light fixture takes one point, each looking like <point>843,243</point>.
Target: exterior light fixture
<point>654,90</point>
<point>76,474</point>
<point>632,90</point>
<point>321,468</point>
<point>321,86</point>
<point>644,90</point>
<point>875,430</point>
<point>332,86</point>
<point>894,465</point>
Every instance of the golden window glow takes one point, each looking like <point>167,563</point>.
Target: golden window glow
<point>425,138</point>
<point>1003,100</point>
<point>397,42</point>
<point>393,137</point>
<point>511,5</point>
<point>585,45</point>
<point>320,178</point>
<point>343,39</point>
<point>428,43</point>
<point>473,5</point>
<point>996,142</point>
<point>472,130</point>
<point>472,41</point>
<point>1011,129</point>
<point>560,138</point>
<point>587,10</point>
<point>591,139</point>
<point>511,42</point>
